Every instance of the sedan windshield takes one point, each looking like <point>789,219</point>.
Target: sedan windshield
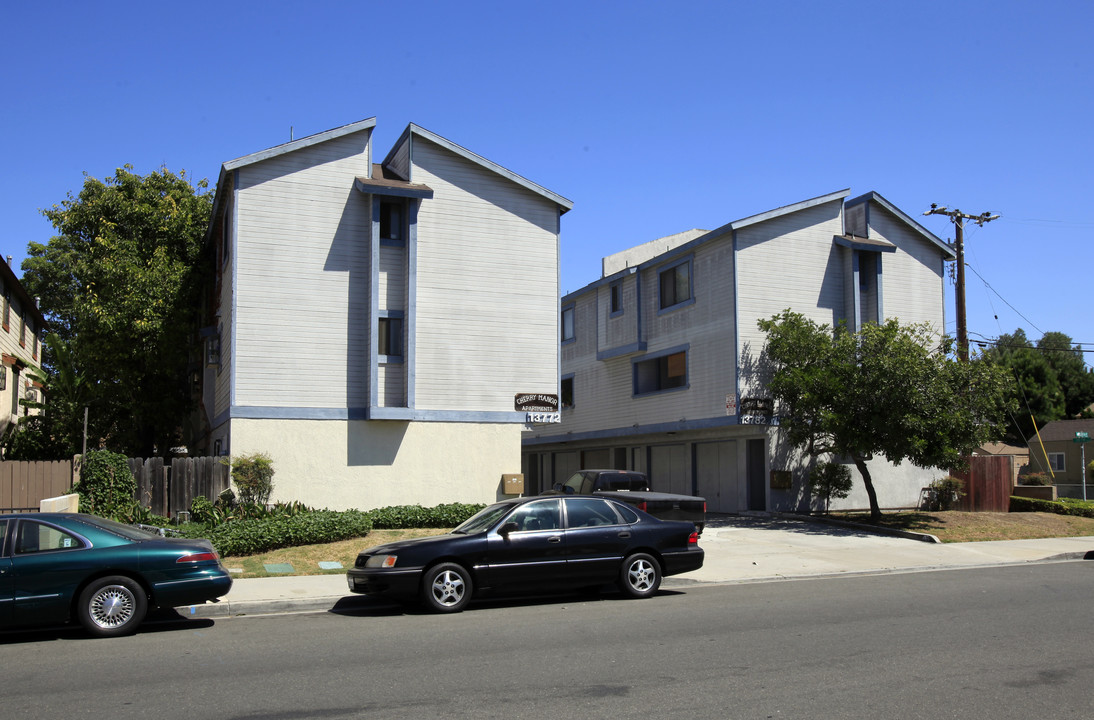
<point>483,520</point>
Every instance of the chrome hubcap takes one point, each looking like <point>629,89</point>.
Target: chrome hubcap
<point>112,606</point>
<point>448,588</point>
<point>641,574</point>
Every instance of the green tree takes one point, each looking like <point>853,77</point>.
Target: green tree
<point>887,390</point>
<point>1051,380</point>
<point>120,283</point>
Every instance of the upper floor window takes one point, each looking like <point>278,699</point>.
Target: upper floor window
<point>389,337</point>
<point>7,309</point>
<point>616,299</point>
<point>568,324</point>
<point>665,372</point>
<point>391,222</point>
<point>675,284</point>
<point>566,398</point>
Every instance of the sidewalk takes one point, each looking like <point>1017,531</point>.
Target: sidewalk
<point>739,549</point>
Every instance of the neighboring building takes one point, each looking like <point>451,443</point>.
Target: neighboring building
<point>1019,456</point>
<point>660,356</point>
<point>372,324</point>
<point>21,328</point>
<point>1057,454</point>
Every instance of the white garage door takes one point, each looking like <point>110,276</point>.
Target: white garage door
<point>716,475</point>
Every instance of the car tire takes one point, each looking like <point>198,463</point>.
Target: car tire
<point>447,588</point>
<point>640,576</point>
<point>112,606</point>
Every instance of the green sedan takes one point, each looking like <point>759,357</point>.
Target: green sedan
<point>58,567</point>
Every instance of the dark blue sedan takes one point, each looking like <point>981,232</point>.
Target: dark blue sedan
<point>56,567</point>
<point>528,545</point>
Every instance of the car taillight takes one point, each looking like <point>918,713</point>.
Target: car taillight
<point>693,539</point>
<point>704,508</point>
<point>198,557</point>
<point>641,506</point>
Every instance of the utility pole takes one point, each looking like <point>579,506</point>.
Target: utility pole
<point>958,218</point>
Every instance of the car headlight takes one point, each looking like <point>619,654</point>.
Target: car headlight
<point>381,561</point>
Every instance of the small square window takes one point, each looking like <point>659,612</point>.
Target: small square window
<point>1056,462</point>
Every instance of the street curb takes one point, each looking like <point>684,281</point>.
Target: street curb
<point>872,529</point>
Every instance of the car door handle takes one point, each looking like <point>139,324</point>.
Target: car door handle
<point>624,534</point>
<point>554,539</point>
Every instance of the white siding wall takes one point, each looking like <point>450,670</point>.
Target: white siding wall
<point>912,277</point>
<point>392,280</point>
<point>487,287</point>
<point>788,262</point>
<point>302,255</point>
<point>603,389</point>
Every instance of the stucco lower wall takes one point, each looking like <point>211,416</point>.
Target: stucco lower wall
<point>367,464</point>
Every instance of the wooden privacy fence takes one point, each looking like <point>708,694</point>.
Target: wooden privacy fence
<point>163,488</point>
<point>988,484</point>
<point>168,489</point>
<point>24,484</point>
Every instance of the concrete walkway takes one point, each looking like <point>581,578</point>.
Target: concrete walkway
<point>739,549</point>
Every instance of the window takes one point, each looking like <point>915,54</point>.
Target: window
<point>544,515</point>
<point>1056,462</point>
<point>568,324</point>
<point>390,337</point>
<point>22,330</point>
<point>391,222</point>
<point>7,309</point>
<point>589,512</point>
<point>35,537</point>
<point>15,390</point>
<point>616,299</point>
<point>567,392</point>
<point>675,283</point>
<point>666,372</point>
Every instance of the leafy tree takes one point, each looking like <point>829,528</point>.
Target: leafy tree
<point>886,390</point>
<point>120,283</point>
<point>1052,381</point>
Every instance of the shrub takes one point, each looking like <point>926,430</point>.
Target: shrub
<point>201,510</point>
<point>1064,506</point>
<point>945,492</point>
<point>253,477</point>
<point>248,536</point>
<point>1034,478</point>
<point>107,486</point>
<point>400,517</point>
<point>830,480</point>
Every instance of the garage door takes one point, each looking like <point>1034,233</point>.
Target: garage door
<point>716,476</point>
<point>669,469</point>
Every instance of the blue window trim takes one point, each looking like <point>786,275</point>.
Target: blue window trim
<point>615,287</point>
<point>562,323</point>
<point>635,362</point>
<point>691,285</point>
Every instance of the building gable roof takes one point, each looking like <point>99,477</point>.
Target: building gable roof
<point>413,131</point>
<point>903,217</point>
<point>300,144</point>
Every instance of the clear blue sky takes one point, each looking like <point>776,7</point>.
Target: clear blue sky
<point>653,118</point>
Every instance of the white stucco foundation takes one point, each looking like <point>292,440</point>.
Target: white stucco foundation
<point>363,464</point>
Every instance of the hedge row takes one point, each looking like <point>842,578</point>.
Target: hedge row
<point>1064,506</point>
<point>247,536</point>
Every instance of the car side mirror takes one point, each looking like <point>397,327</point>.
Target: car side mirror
<point>508,528</point>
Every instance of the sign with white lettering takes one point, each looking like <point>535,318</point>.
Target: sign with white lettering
<point>536,403</point>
